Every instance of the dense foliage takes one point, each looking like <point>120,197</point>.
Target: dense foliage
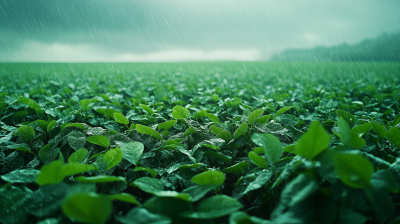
<point>200,143</point>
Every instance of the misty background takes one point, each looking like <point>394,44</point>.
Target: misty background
<point>173,30</point>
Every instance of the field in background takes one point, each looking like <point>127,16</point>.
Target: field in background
<point>217,142</point>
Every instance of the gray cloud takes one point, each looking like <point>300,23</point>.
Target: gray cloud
<point>127,30</point>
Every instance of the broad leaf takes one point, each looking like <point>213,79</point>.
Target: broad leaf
<point>120,118</point>
<point>179,112</point>
<point>394,136</point>
<point>148,184</point>
<point>237,168</point>
<point>26,132</point>
<point>76,140</point>
<point>87,207</point>
<point>215,207</point>
<point>148,131</point>
<point>225,135</point>
<point>189,131</point>
<point>313,142</point>
<point>99,140</point>
<point>210,177</point>
<point>132,151</point>
<point>242,129</point>
<point>353,170</point>
<point>147,109</point>
<point>142,216</point>
<point>78,156</point>
<point>258,160</point>
<point>21,176</point>
<point>112,157</point>
<point>167,125</point>
<point>100,179</point>
<point>212,117</point>
<point>271,144</point>
<point>254,115</point>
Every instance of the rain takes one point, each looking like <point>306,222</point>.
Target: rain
<point>178,112</point>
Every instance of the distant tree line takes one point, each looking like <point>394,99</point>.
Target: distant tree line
<point>385,47</point>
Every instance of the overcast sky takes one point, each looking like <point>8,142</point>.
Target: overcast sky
<point>181,30</point>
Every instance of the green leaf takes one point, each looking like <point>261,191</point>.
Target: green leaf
<point>32,104</point>
<point>362,129</point>
<point>287,119</point>
<point>212,117</point>
<point>173,194</point>
<point>148,131</point>
<point>26,132</point>
<point>259,182</point>
<point>51,125</point>
<point>132,151</point>
<point>48,173</point>
<point>354,170</point>
<point>263,119</point>
<point>198,191</point>
<point>218,156</point>
<point>384,179</point>
<point>120,118</point>
<point>47,154</point>
<point>21,176</point>
<point>47,200</point>
<point>281,111</point>
<point>76,125</point>
<point>394,136</point>
<point>147,109</point>
<point>345,135</point>
<point>42,124</point>
<point>125,198</point>
<point>100,179</point>
<point>142,216</point>
<point>21,147</point>
<point>12,206</point>
<point>356,141</point>
<point>271,144</point>
<point>170,207</point>
<point>84,104</point>
<point>216,130</point>
<point>237,168</point>
<point>210,177</point>
<point>152,172</point>
<point>313,142</point>
<point>189,131</point>
<point>87,207</point>
<point>379,129</point>
<point>254,115</point>
<point>225,135</point>
<point>179,112</point>
<point>258,160</point>
<point>243,218</point>
<point>167,125</point>
<point>148,184</point>
<point>112,157</point>
<point>259,150</point>
<point>200,114</point>
<point>298,190</point>
<point>56,171</point>
<point>78,156</point>
<point>76,140</point>
<point>195,165</point>
<point>215,207</point>
<point>347,117</point>
<point>215,97</point>
<point>242,129</point>
<point>99,140</point>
